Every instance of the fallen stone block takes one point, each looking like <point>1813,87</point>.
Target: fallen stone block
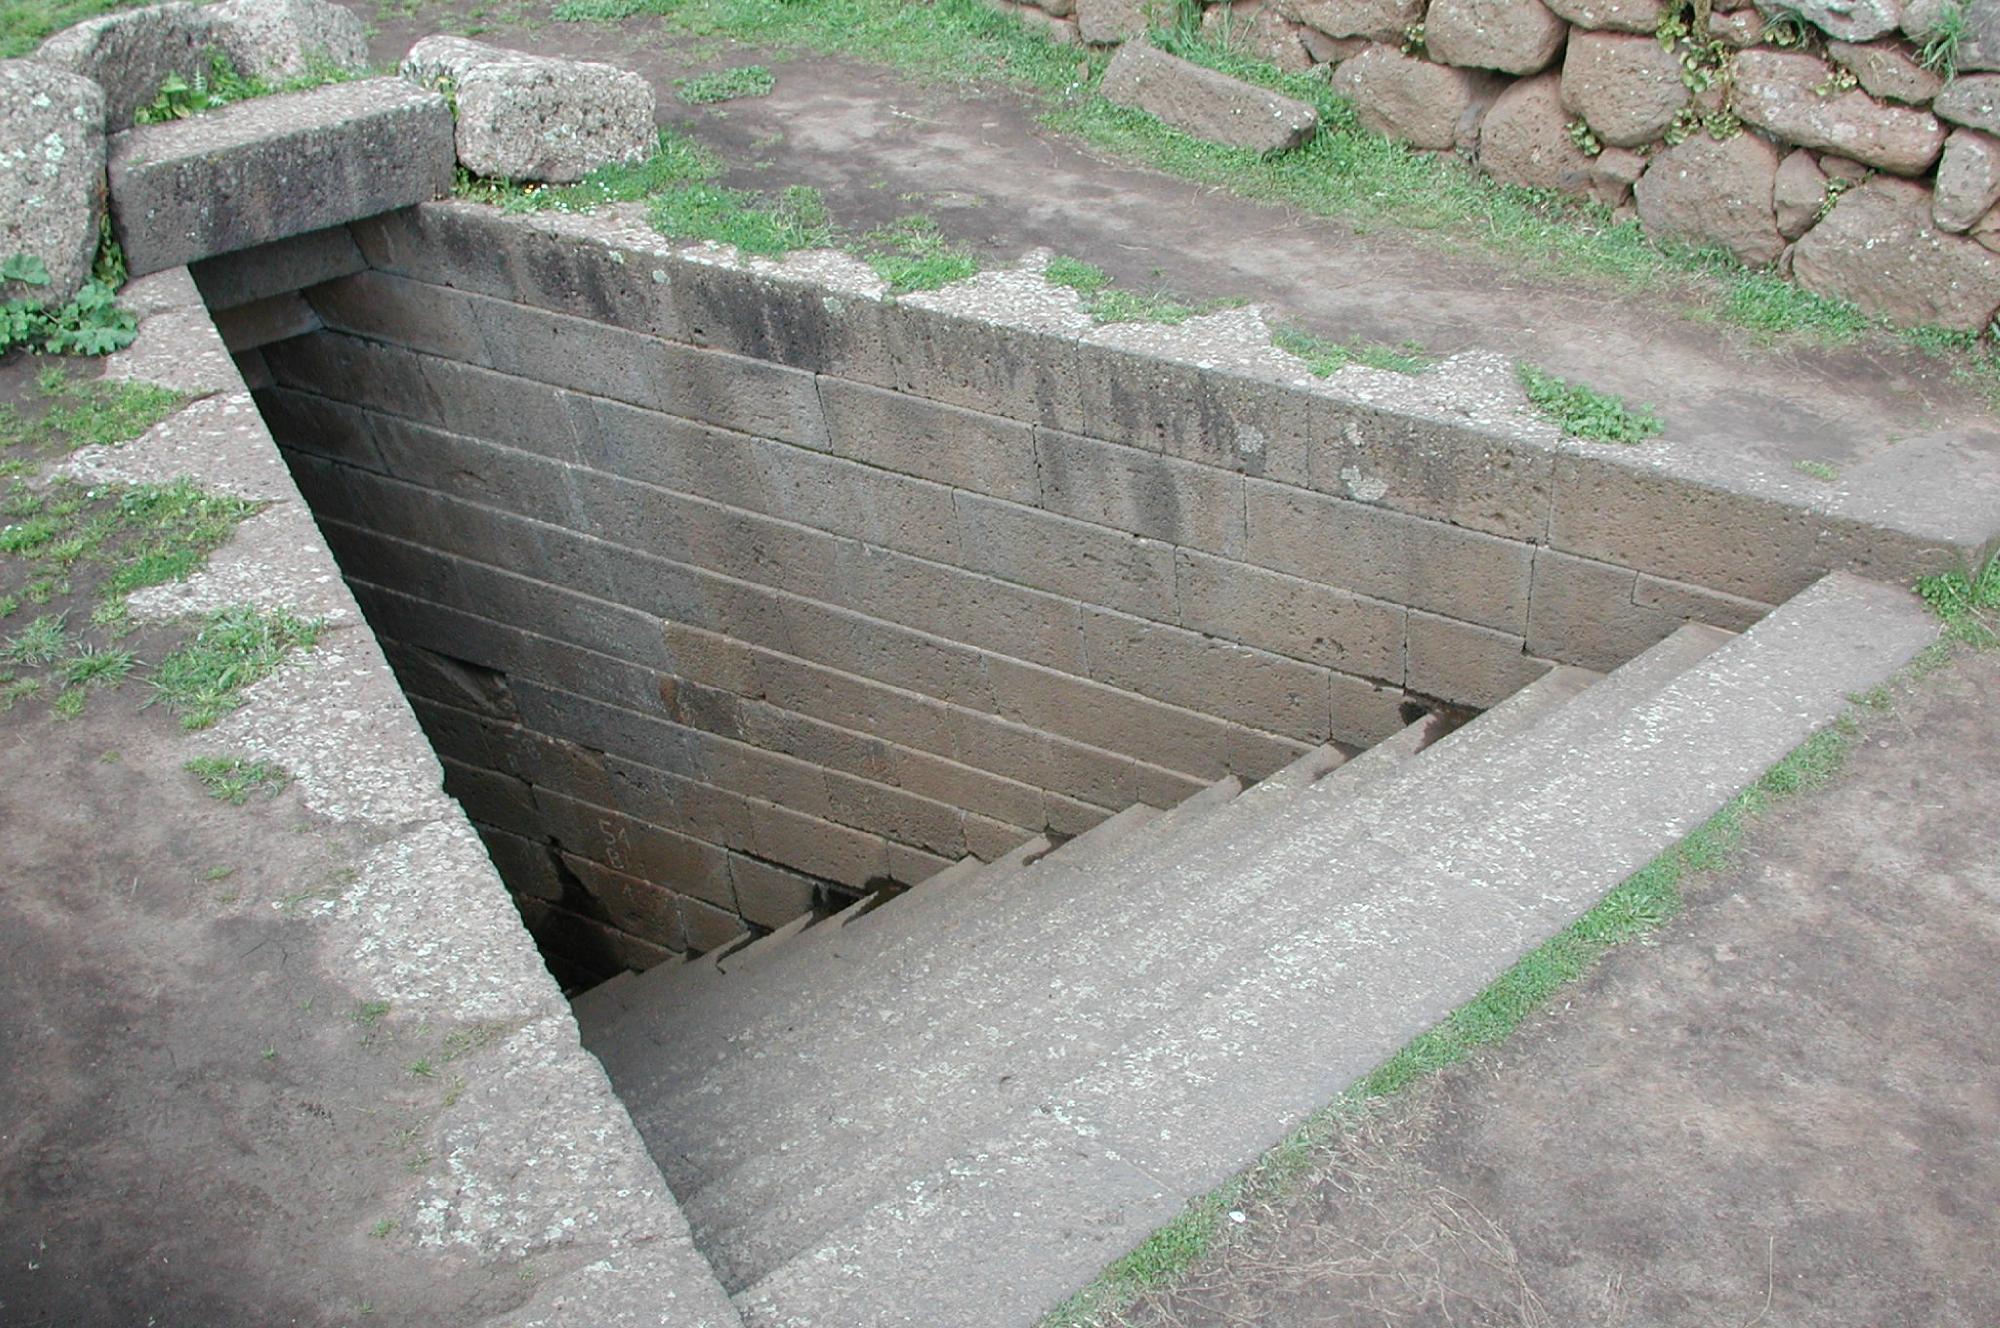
<point>51,175</point>
<point>1206,103</point>
<point>277,166</point>
<point>532,117</point>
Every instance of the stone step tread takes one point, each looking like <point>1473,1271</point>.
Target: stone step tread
<point>969,1002</point>
<point>1344,979</point>
<point>905,986</point>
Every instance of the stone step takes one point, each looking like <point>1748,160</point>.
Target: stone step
<point>1364,940</point>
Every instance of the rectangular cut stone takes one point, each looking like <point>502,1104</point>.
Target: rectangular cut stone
<point>1430,469</point>
<point>967,449</point>
<point>1205,415</point>
<point>1585,613</point>
<point>1302,619</point>
<point>1067,557</point>
<point>1206,102</point>
<point>1208,674</point>
<point>966,361</point>
<point>1465,664</point>
<point>1128,488</point>
<point>272,167</point>
<point>278,268</point>
<point>1386,555</point>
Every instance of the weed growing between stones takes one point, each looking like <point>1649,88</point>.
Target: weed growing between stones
<point>1106,303</point>
<point>232,779</point>
<point>913,254</point>
<point>1584,412</point>
<point>1969,605</point>
<point>725,85</point>
<point>1325,357</point>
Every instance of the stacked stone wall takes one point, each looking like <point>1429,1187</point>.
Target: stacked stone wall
<point>1855,147</point>
<point>723,595</point>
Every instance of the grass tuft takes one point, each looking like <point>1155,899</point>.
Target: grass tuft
<point>1325,357</point>
<point>1584,412</point>
<point>725,85</point>
<point>201,681</point>
<point>232,779</point>
<point>913,254</point>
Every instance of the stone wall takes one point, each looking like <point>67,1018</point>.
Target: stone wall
<point>721,591</point>
<point>1812,137</point>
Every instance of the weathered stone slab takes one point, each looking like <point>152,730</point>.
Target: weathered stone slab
<point>51,175</point>
<point>1205,102</point>
<point>1513,36</point>
<point>131,53</point>
<point>278,39</point>
<point>277,166</point>
<point>1525,139</point>
<point>1425,105</point>
<point>1258,29</point>
<point>1778,91</point>
<point>532,117</point>
<point>1880,249</point>
<point>1627,89</point>
<point>1709,193</point>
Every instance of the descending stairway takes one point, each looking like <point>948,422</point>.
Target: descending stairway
<point>956,1107</point>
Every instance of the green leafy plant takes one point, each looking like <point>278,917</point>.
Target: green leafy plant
<point>217,83</point>
<point>1584,412</point>
<point>1969,605</point>
<point>1585,138</point>
<point>725,85</point>
<point>90,324</point>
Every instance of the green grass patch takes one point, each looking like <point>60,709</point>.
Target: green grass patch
<point>771,227</point>
<point>725,85</point>
<point>42,641</point>
<point>1105,302</point>
<point>1325,357</point>
<point>677,161</point>
<point>1637,907</point>
<point>26,24</point>
<point>1824,471</point>
<point>913,254</point>
<point>1969,605</point>
<point>1584,412</point>
<point>203,679</point>
<point>232,779</point>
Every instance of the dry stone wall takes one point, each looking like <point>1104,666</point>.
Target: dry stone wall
<point>1821,139</point>
<point>725,592</point>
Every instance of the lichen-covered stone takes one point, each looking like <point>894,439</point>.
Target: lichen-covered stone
<point>1887,71</point>
<point>279,39</point>
<point>1256,28</point>
<point>533,117</point>
<point>1525,139</point>
<point>1968,180</point>
<point>1512,36</point>
<point>51,175</point>
<point>1627,89</point>
<point>1425,105</point>
<point>1849,20</point>
<point>1972,100</point>
<point>1879,248</point>
<point>1798,193</point>
<point>1705,192</point>
<point>1778,91</point>
<point>1377,20</point>
<point>1611,15</point>
<point>130,54</point>
<point>1205,102</point>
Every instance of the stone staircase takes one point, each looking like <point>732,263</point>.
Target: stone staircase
<point>957,1106</point>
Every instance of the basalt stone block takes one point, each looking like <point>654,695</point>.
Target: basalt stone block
<point>262,170</point>
<point>51,175</point>
<point>532,117</point>
<point>1779,92</point>
<point>1849,20</point>
<point>1205,102</point>
<point>1375,20</point>
<point>1611,15</point>
<point>1526,140</point>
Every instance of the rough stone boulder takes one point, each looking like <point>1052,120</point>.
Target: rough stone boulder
<point>1425,105</point>
<point>1968,180</point>
<point>279,39</point>
<point>51,175</point>
<point>1258,29</point>
<point>1706,192</point>
<point>1627,89</point>
<point>1613,172</point>
<point>131,54</point>
<point>1778,91</point>
<point>1206,103</point>
<point>532,117</point>
<point>1377,20</point>
<point>1611,15</point>
<point>1513,36</point>
<point>1886,71</point>
<point>1525,139</point>
<point>1798,193</point>
<point>1108,22</point>
<point>1849,20</point>
<point>1879,249</point>
<point>1972,100</point>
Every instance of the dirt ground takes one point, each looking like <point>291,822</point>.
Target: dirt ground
<point>197,1128</point>
<point>1780,1112</point>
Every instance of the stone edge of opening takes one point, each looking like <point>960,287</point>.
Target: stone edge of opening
<point>542,1156</point>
